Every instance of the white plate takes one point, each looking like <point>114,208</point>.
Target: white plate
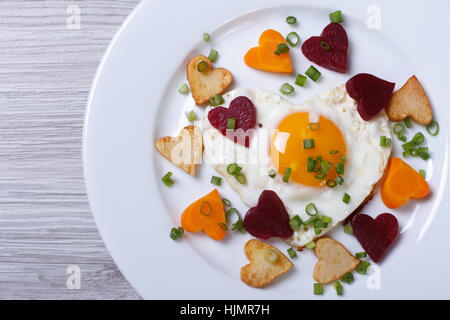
<point>134,100</point>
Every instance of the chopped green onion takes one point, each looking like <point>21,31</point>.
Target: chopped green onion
<point>292,253</point>
<point>205,208</point>
<point>324,45</point>
<point>308,144</point>
<point>231,168</point>
<point>293,39</point>
<point>360,255</point>
<point>300,80</point>
<point>272,173</point>
<point>340,168</point>
<point>310,164</point>
<point>421,152</point>
<point>422,173</point>
<point>336,16</point>
<point>344,159</point>
<point>318,289</point>
<point>317,230</point>
<point>226,202</point>
<point>287,174</point>
<point>313,126</point>
<point>216,100</point>
<point>363,267</point>
<point>334,151</point>
<point>286,88</point>
<point>326,219</point>
<point>216,180</point>
<point>309,221</point>
<point>407,153</point>
<point>176,233</point>
<point>295,223</point>
<point>184,89</point>
<point>202,66</point>
<point>191,116</point>
<point>213,55</point>
<point>348,278</point>
<point>433,128</point>
<point>167,179</point>
<point>271,256</point>
<point>282,48</point>
<point>339,288</point>
<point>320,223</point>
<point>291,20</point>
<point>398,128</point>
<point>418,138</point>
<point>385,142</point>
<point>321,176</point>
<point>346,198</point>
<point>348,229</point>
<point>313,73</point>
<point>241,178</point>
<point>407,122</point>
<point>223,226</point>
<point>311,210</point>
<point>339,180</point>
<point>231,124</point>
<point>310,245</point>
<point>331,183</point>
<point>206,37</point>
<point>401,137</point>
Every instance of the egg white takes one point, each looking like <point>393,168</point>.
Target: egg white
<point>366,159</point>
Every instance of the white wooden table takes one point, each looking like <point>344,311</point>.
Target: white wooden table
<point>46,70</point>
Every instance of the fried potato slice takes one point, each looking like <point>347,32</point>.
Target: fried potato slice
<point>334,260</point>
<point>410,101</point>
<point>185,150</point>
<point>260,272</point>
<point>205,85</point>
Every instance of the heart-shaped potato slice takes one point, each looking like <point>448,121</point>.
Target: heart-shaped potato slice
<point>334,260</point>
<point>259,271</point>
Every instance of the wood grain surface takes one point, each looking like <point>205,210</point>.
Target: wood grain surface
<point>46,70</point>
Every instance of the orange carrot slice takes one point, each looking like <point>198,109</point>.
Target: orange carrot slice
<point>206,214</point>
<point>401,183</point>
<point>264,58</point>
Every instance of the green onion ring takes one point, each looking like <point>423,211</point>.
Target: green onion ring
<point>295,36</point>
<point>202,66</point>
<point>433,125</point>
<point>313,126</point>
<point>206,214</point>
<point>331,183</point>
<point>223,226</point>
<point>311,210</point>
<point>324,45</point>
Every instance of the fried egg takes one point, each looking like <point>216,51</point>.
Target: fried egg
<point>326,127</point>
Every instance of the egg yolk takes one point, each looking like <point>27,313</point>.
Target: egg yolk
<point>292,146</point>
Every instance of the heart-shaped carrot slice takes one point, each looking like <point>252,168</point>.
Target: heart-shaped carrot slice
<point>264,58</point>
<point>206,214</point>
<point>402,182</point>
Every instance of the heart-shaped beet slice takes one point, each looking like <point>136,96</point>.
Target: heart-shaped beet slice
<point>330,49</point>
<point>269,218</point>
<point>243,112</point>
<point>375,235</point>
<point>372,94</point>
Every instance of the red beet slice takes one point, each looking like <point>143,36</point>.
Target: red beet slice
<point>330,49</point>
<point>242,111</point>
<point>371,93</point>
<point>269,218</point>
<point>375,236</point>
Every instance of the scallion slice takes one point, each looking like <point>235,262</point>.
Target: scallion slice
<point>292,253</point>
<point>213,54</point>
<point>360,255</point>
<point>271,255</point>
<point>223,226</point>
<point>300,80</point>
<point>348,229</point>
<point>226,202</point>
<point>423,173</point>
<point>231,124</point>
<point>385,141</point>
<point>310,245</point>
<point>184,89</point>
<point>401,137</point>
<point>336,16</point>
<point>287,174</point>
<point>339,180</point>
<point>314,126</point>
<point>231,168</point>
<point>318,289</point>
<point>295,223</point>
<point>339,288</point>
<point>216,100</point>
<point>286,88</point>
<point>348,278</point>
<point>363,267</point>
<point>344,159</point>
<point>206,37</point>
<point>202,66</point>
<point>398,128</point>
<point>313,73</point>
<point>326,219</point>
<point>308,144</point>
<point>331,183</point>
<point>433,128</point>
<point>407,122</point>
<point>167,179</point>
<point>241,178</point>
<point>282,48</point>
<point>311,210</point>
<point>272,173</point>
<point>340,168</point>
<point>291,20</point>
<point>334,151</point>
<point>293,39</point>
<point>216,180</point>
<point>191,116</point>
<point>324,45</point>
<point>205,208</point>
<point>176,233</point>
<point>346,198</point>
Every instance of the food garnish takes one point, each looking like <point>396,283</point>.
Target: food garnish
<point>216,180</point>
<point>264,58</point>
<point>313,73</point>
<point>375,235</point>
<point>217,100</point>
<point>205,82</point>
<point>293,39</point>
<point>167,179</point>
<point>266,263</point>
<point>336,16</point>
<point>339,288</point>
<point>191,116</point>
<point>185,150</point>
<point>363,267</point>
<point>410,101</point>
<point>348,278</point>
<point>184,89</point>
<point>206,214</point>
<point>206,37</point>
<point>268,218</point>
<point>291,20</point>
<point>329,50</point>
<point>334,260</point>
<point>243,112</point>
<point>176,233</point>
<point>213,54</point>
<point>401,183</point>
<point>286,88</point>
<point>300,80</point>
<point>292,253</point>
<point>318,289</point>
<point>371,93</point>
